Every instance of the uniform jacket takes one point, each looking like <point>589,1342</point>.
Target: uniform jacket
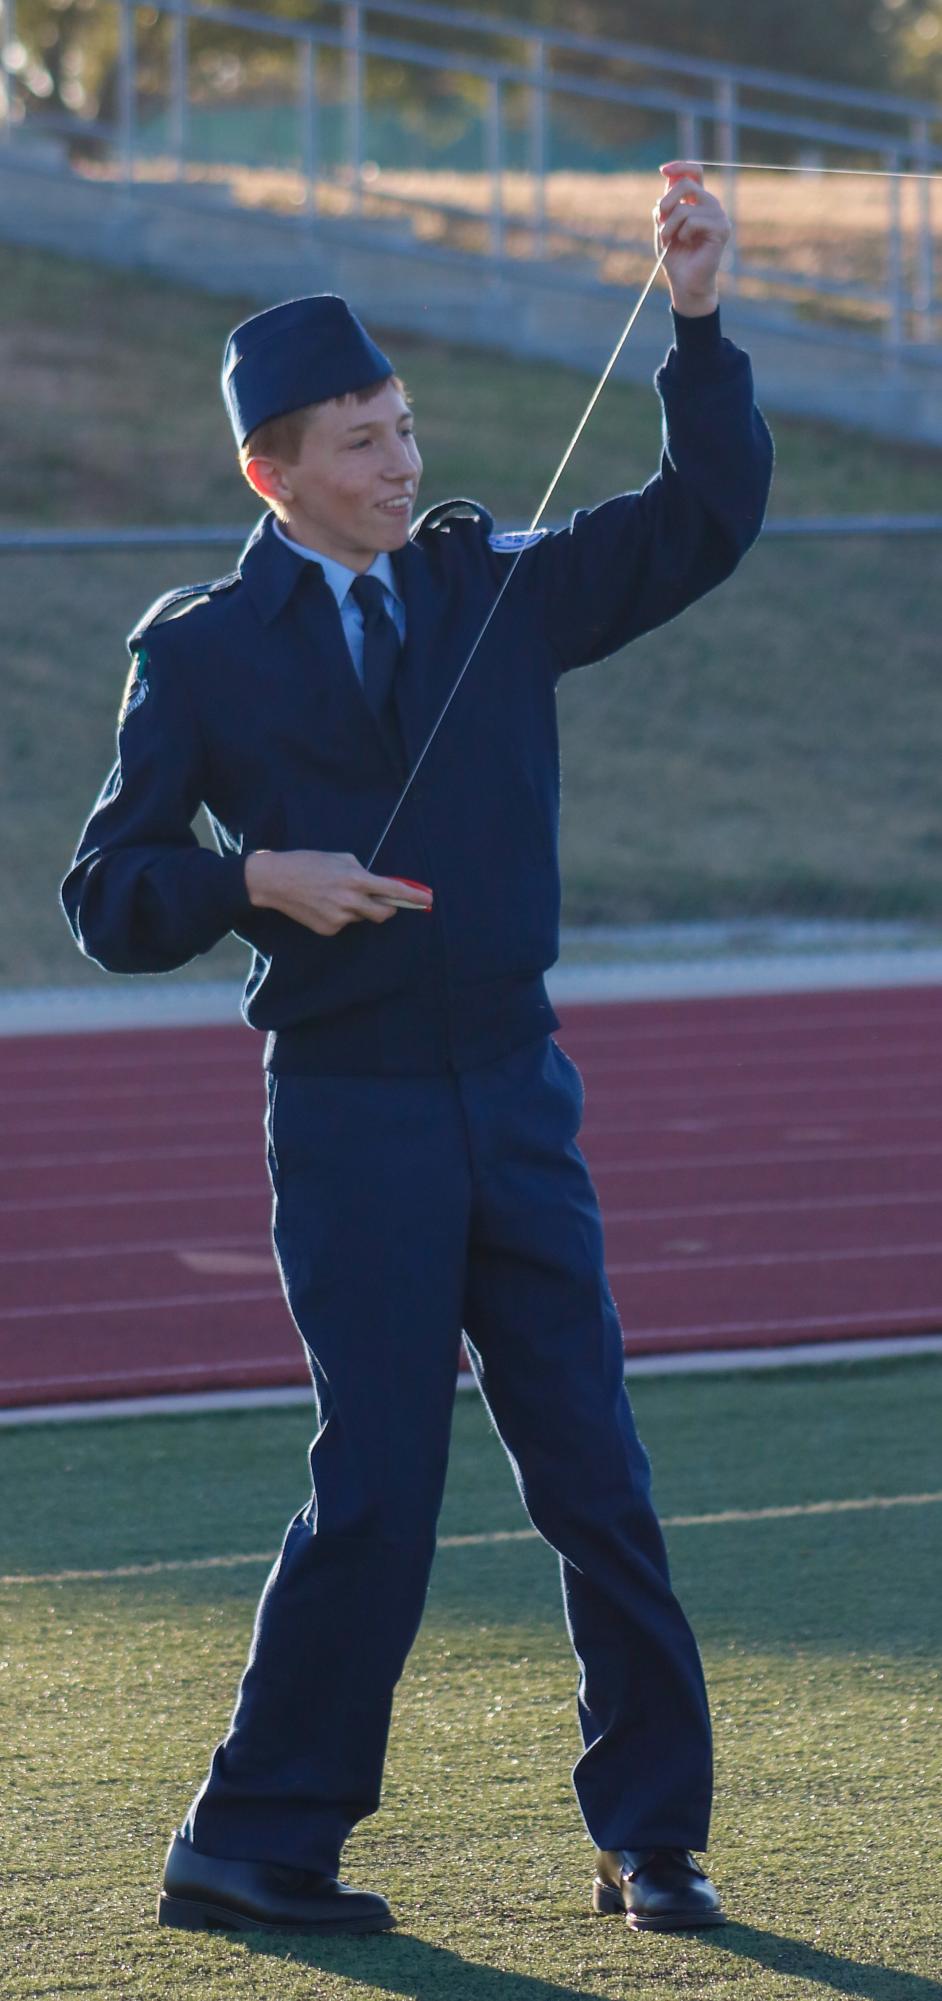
<point>243,697</point>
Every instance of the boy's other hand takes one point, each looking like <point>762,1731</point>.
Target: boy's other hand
<point>326,892</point>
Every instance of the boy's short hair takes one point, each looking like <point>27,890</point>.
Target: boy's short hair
<point>283,437</point>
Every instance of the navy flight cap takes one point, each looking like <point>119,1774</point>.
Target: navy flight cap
<point>303,351</point>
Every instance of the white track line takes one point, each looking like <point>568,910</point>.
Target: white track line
<point>132,1376</point>
<point>926,1317</point>
<point>711,1109</point>
<point>699,1088</point>
<point>254,1256</point>
<point>764,1260</point>
<point>723,1519</point>
<point>246,1119</point>
<point>818,1120</point>
<point>694,1163</point>
<point>826,1004</point>
<point>663,1359</point>
<point>928,1197</point>
<point>716,1361</point>
<point>173,1300</point>
<point>178,1247</point>
<point>102,1089</point>
<point>672,1032</point>
<point>647,1110</point>
<point>17,1164</point>
<point>769,1058</point>
<point>140,1197</point>
<point>258,1241</point>
<point>259,1189</point>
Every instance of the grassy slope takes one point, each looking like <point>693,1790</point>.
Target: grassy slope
<point>820,1634</point>
<point>775,749</point>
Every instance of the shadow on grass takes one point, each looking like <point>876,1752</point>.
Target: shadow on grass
<point>403,1964</point>
<point>801,1961</point>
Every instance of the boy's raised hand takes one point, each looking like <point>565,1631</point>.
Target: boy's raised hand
<point>694,228</point>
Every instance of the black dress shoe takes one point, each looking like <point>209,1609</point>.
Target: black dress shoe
<point>210,1892</point>
<point>659,1889</point>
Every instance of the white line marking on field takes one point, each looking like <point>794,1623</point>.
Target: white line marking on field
<point>486,1539</point>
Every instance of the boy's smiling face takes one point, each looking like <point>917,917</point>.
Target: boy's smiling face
<point>351,492</point>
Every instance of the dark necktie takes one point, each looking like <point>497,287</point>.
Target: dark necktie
<point>381,648</point>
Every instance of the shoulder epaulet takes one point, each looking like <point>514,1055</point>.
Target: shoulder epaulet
<point>446,511</point>
<point>186,596</point>
<point>511,540</point>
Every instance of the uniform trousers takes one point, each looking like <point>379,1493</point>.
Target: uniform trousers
<point>408,1209</point>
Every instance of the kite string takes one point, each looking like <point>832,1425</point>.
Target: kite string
<point>857,173</point>
<point>544,503</point>
<point>739,166</point>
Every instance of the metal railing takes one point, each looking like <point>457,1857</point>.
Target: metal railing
<point>81,541</point>
<point>711,109</point>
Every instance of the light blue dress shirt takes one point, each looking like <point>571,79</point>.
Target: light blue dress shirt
<point>340,578</point>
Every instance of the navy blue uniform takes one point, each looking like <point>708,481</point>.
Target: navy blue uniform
<point>411,1076</point>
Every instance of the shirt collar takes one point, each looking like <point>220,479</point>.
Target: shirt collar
<point>338,575</point>
<point>270,567</point>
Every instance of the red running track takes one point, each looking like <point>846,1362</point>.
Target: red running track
<point>770,1169</point>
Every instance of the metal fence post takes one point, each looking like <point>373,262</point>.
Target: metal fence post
<point>727,130</point>
<point>127,65</point>
<point>538,144</point>
<point>923,300</point>
<point>7,93</point>
<point>179,91</point>
<point>353,81</point>
<point>494,150</point>
<point>307,54</point>
<point>895,265</point>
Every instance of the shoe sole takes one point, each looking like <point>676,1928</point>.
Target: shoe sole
<point>608,1903</point>
<point>186,1914</point>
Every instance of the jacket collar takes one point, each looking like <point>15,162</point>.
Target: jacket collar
<point>269,569</point>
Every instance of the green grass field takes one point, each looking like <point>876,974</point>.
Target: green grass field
<point>776,750</point>
<point>821,1637</point>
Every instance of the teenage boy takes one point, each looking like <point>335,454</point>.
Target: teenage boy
<point>421,1120</point>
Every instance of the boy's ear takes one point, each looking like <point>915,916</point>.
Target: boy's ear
<point>264,477</point>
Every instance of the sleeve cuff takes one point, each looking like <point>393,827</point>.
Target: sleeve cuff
<point>235,902</point>
<point>697,339</point>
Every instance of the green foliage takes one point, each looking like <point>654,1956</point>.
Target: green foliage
<point>70,47</point>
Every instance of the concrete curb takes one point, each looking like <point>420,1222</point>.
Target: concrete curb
<point>153,1002</point>
<point>197,1402</point>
